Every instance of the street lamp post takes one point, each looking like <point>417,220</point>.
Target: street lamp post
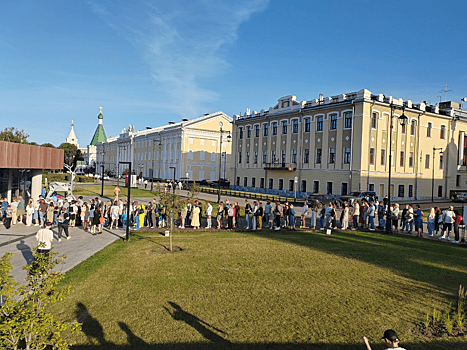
<point>127,238</point>
<point>221,124</point>
<point>403,121</point>
<point>433,172</point>
<point>173,185</point>
<point>102,180</point>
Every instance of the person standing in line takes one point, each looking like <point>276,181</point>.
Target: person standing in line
<point>29,212</point>
<point>371,215</point>
<point>304,214</point>
<point>63,221</point>
<point>418,221</point>
<point>267,213</point>
<point>209,215</point>
<point>314,214</point>
<point>431,222</point>
<point>195,221</point>
<point>457,222</point>
<point>4,206</point>
<point>220,213</point>
<point>230,218</point>
<point>189,208</point>
<point>277,216</point>
<point>448,216</point>
<point>345,216</point>
<point>438,220</point>
<point>50,213</point>
<point>236,214</point>
<point>247,214</point>
<point>291,217</point>
<point>391,339</point>
<point>114,214</point>
<point>8,216</point>
<point>395,216</point>
<point>20,209</point>
<point>254,215</point>
<point>259,215</point>
<point>356,215</point>
<point>42,212</point>
<point>286,214</point>
<point>14,211</point>
<point>328,216</point>
<point>145,184</point>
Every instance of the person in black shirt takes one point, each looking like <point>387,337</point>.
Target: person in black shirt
<point>63,221</point>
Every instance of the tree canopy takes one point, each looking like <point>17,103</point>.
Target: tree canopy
<point>71,153</point>
<point>11,134</point>
<point>47,145</point>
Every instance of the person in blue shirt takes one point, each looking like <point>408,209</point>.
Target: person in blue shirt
<point>291,217</point>
<point>418,221</point>
<point>371,215</point>
<point>267,213</point>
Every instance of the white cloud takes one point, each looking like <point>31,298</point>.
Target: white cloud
<point>184,44</point>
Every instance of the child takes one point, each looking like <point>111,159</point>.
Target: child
<point>391,339</point>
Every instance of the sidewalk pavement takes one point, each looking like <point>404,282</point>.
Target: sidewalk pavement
<point>21,239</point>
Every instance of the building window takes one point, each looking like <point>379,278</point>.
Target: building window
<point>265,156</point>
<point>271,184</point>
<point>201,155</point>
<point>372,156</point>
<point>371,187</point>
<point>241,133</point>
<point>238,180</point>
<point>328,187</point>
<point>255,160</point>
<point>428,129</point>
<point>410,190</point>
<point>348,120</point>
<point>256,130</point>
<point>412,127</point>
<point>319,124</point>
<point>440,191</point>
<point>248,131</point>
<point>442,133</point>
<point>284,127</point>
<point>332,155</point>
<point>411,160</point>
<point>245,181</point>
<point>383,157</point>
<point>402,160</point>
<point>347,155</point>
<point>315,186</point>
<point>281,184</point>
<point>333,125</point>
<point>261,182</point>
<point>291,185</point>
<point>318,156</point>
<point>239,157</point>
<point>265,129</point>
<point>294,156</point>
<point>441,162</point>
<point>273,157</point>
<point>303,187</point>
<point>247,157</point>
<point>283,156</point>
<point>458,180</point>
<point>427,161</point>
<point>253,182</point>
<point>274,128</point>
<point>403,128</point>
<point>306,156</point>
<point>295,126</point>
<point>373,120</point>
<point>307,124</point>
<point>401,191</point>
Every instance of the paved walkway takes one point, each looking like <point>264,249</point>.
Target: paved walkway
<point>20,240</point>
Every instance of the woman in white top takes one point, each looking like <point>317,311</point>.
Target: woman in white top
<point>448,221</point>
<point>431,222</point>
<point>29,212</point>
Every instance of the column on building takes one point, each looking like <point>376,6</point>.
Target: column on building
<point>461,148</point>
<point>36,183</point>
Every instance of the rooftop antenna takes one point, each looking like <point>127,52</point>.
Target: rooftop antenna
<point>445,91</point>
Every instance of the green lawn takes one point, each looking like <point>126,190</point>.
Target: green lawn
<point>109,191</point>
<point>271,290</point>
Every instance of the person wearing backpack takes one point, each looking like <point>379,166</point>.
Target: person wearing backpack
<point>448,216</point>
<point>418,221</point>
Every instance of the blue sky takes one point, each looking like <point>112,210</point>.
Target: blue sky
<point>150,62</point>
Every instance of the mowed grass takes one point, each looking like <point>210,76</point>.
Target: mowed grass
<point>263,290</point>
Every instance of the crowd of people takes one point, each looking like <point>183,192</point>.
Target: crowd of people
<point>95,214</point>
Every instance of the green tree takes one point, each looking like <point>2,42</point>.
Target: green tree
<point>11,134</point>
<point>24,320</point>
<point>48,145</point>
<point>71,153</point>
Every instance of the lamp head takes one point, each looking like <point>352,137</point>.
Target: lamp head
<point>403,119</point>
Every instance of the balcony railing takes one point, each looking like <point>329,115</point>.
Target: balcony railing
<point>280,166</point>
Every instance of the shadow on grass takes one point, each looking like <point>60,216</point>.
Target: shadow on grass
<point>439,264</point>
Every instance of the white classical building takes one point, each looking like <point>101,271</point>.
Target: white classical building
<point>187,149</point>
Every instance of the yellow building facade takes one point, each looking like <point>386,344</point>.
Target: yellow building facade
<point>190,149</point>
<point>339,144</point>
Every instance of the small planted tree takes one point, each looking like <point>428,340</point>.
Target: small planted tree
<point>24,320</point>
